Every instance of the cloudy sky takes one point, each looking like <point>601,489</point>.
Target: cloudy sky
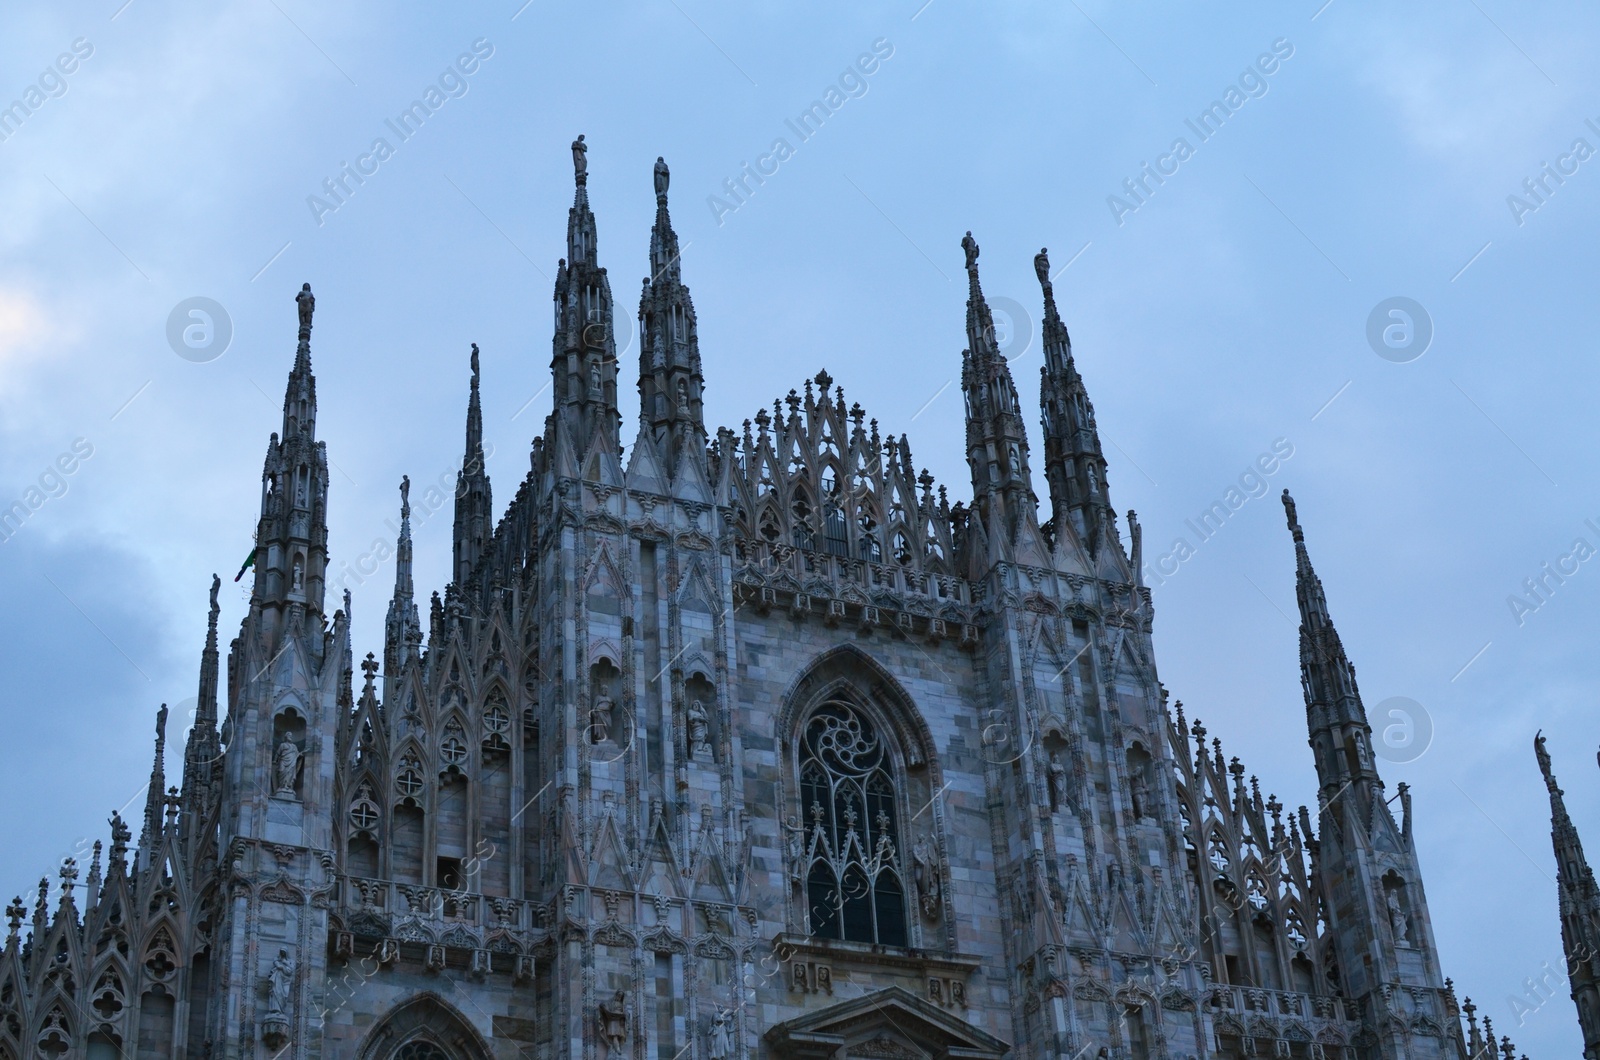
<point>1221,310</point>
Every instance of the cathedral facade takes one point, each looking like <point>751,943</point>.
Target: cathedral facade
<point>752,745</point>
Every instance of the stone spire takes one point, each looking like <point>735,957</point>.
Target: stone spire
<point>292,535</point>
<point>1337,721</point>
<point>997,442</point>
<point>1366,863</point>
<point>584,350</point>
<point>203,751</point>
<point>474,506</point>
<point>1074,463</point>
<point>402,626</point>
<point>155,794</point>
<point>670,381</point>
<point>1579,905</point>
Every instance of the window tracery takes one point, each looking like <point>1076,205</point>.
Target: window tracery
<point>854,884</point>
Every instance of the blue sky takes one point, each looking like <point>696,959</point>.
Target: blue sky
<point>1226,312</point>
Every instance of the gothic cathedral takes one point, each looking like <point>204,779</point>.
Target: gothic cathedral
<point>753,745</point>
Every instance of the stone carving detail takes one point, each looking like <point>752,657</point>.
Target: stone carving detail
<point>925,872</point>
<point>279,986</point>
<point>810,977</point>
<point>611,1019</point>
<point>1399,923</point>
<point>286,767</point>
<point>698,745</point>
<point>717,1044</point>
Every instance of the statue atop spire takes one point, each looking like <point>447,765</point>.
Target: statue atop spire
<point>1294,519</point>
<point>308,304</point>
<point>580,160</point>
<point>663,177</point>
<point>970,245</point>
<point>1041,268</point>
<point>474,364</point>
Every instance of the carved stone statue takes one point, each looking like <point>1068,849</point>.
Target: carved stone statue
<point>1398,921</point>
<point>1139,793</point>
<point>601,717</point>
<point>308,304</point>
<point>662,177</point>
<point>280,981</point>
<point>1541,754</point>
<point>970,245</point>
<point>297,576</point>
<point>683,398</point>
<point>719,1048</point>
<point>286,766</point>
<point>926,875</point>
<point>1041,267</point>
<point>795,844</point>
<point>1058,781</point>
<point>580,160</point>
<point>594,380</point>
<point>612,1018</point>
<point>698,747</point>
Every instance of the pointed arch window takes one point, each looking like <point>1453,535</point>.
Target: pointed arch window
<point>801,509</point>
<point>870,549</point>
<point>854,884</point>
<point>836,541</point>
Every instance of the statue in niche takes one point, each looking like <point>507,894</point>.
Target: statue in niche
<point>612,1017</point>
<point>594,380</point>
<point>1058,781</point>
<point>926,875</point>
<point>600,719</point>
<point>286,767</point>
<point>297,576</point>
<point>280,980</point>
<point>1139,793</point>
<point>719,1047</point>
<point>698,747</point>
<point>683,398</point>
<point>1398,921</point>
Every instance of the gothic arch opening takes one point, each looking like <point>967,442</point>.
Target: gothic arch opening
<point>858,757</point>
<point>424,1028</point>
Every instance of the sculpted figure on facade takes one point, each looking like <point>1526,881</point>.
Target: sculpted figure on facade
<point>286,766</point>
<point>612,1017</point>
